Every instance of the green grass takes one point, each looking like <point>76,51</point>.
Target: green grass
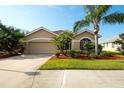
<point>83,64</point>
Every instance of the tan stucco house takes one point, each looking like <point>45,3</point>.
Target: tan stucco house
<point>39,40</point>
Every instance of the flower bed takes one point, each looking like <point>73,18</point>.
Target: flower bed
<point>84,57</point>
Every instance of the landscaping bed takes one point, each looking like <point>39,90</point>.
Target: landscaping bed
<point>6,55</point>
<point>84,57</point>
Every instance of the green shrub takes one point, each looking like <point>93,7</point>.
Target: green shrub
<point>71,53</point>
<point>110,53</point>
<point>89,48</point>
<point>106,54</point>
<point>93,55</point>
<point>114,52</point>
<point>57,54</point>
<point>74,53</point>
<point>100,47</point>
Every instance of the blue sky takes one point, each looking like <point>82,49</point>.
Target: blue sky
<point>54,18</point>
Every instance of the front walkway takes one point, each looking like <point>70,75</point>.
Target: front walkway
<point>18,72</point>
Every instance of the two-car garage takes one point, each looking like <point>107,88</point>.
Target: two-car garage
<point>39,41</point>
<point>41,47</point>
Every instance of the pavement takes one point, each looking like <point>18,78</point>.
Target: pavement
<point>79,79</point>
<point>20,72</point>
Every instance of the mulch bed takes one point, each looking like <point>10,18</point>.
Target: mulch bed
<point>114,57</point>
<point>4,56</point>
<point>84,57</point>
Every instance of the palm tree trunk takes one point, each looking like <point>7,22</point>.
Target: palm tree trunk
<point>96,44</point>
<point>96,30</point>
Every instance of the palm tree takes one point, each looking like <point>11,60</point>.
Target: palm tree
<point>62,41</point>
<point>95,14</point>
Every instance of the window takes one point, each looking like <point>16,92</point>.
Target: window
<point>83,41</point>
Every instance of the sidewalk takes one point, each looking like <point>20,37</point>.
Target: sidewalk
<point>63,79</point>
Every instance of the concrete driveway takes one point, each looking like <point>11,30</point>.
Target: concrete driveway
<point>19,72</point>
<point>24,62</point>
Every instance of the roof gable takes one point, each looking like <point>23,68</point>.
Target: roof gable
<point>39,29</point>
<point>58,32</point>
<point>84,32</point>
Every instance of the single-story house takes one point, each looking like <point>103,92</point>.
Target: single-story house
<point>39,40</point>
<point>109,45</point>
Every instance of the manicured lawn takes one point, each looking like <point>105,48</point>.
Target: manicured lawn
<point>83,64</point>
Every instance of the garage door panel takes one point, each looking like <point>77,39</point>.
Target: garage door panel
<point>42,47</point>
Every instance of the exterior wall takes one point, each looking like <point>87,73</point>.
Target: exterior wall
<point>39,34</point>
<point>76,41</point>
<point>75,45</point>
<point>110,46</point>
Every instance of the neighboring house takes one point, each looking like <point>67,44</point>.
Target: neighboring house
<point>39,40</point>
<point>109,45</point>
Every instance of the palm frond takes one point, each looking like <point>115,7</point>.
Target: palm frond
<point>96,11</point>
<point>114,18</point>
<point>101,10</point>
<point>79,24</point>
<point>90,8</point>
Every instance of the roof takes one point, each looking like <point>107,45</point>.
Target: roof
<point>58,32</point>
<point>86,30</point>
<point>113,39</point>
<point>89,31</point>
<point>61,31</point>
<point>40,28</point>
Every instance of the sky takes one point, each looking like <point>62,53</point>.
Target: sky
<point>52,17</point>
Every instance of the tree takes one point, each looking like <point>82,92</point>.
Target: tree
<point>95,14</point>
<point>88,47</point>
<point>11,39</point>
<point>62,41</point>
<point>120,42</point>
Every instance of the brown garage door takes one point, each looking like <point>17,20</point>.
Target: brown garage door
<point>42,47</point>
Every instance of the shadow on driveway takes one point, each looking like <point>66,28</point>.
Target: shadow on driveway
<point>30,73</point>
